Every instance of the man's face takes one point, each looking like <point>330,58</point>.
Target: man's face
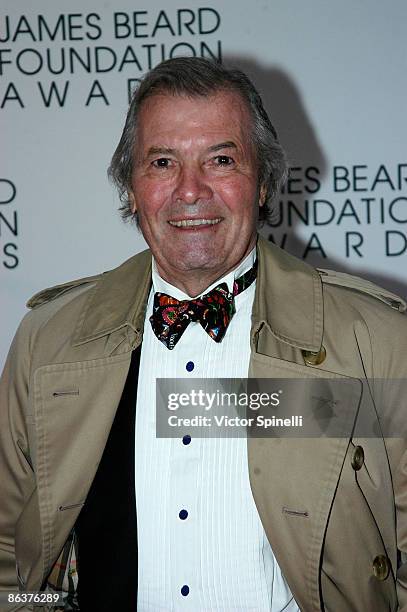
<point>194,183</point>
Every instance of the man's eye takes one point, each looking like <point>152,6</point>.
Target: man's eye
<point>162,162</point>
<point>224,160</point>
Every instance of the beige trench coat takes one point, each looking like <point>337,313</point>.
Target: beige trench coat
<point>337,524</point>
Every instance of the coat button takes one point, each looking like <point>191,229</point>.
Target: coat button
<point>358,458</point>
<point>381,567</point>
<point>313,359</point>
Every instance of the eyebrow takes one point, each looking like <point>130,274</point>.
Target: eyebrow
<point>160,151</point>
<point>222,145</point>
<point>168,151</point>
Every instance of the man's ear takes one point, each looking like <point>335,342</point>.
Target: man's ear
<point>132,201</point>
<point>262,195</point>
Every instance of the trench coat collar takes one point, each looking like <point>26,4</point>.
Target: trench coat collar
<point>117,300</point>
<point>288,299</point>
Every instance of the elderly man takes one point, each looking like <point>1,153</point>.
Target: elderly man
<point>221,524</point>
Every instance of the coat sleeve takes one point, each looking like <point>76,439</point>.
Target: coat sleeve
<point>398,460</point>
<point>17,480</point>
<point>389,344</point>
<point>400,483</point>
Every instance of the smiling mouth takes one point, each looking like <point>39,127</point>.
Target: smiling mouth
<point>194,222</point>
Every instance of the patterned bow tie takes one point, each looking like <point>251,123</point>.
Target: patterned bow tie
<point>213,311</point>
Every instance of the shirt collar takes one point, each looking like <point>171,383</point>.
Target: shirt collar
<point>161,285</point>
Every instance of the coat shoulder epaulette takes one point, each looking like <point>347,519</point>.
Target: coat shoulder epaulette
<point>356,283</point>
<point>46,295</point>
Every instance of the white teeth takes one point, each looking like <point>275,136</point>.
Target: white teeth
<point>194,222</point>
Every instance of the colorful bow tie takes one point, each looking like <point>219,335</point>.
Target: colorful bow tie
<point>213,311</point>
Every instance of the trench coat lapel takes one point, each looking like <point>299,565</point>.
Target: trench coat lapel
<point>294,480</point>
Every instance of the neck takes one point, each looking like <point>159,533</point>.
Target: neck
<point>190,284</point>
<point>195,282</point>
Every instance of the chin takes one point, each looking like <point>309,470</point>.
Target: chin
<point>199,263</point>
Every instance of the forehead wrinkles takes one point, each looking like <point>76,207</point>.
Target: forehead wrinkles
<point>206,109</point>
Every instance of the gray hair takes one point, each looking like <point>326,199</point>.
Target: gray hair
<point>196,76</point>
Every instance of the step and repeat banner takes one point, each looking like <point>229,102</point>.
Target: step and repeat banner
<point>333,77</point>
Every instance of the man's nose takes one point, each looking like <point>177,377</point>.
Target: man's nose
<point>192,185</point>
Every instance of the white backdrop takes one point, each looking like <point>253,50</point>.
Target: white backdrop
<point>333,77</point>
